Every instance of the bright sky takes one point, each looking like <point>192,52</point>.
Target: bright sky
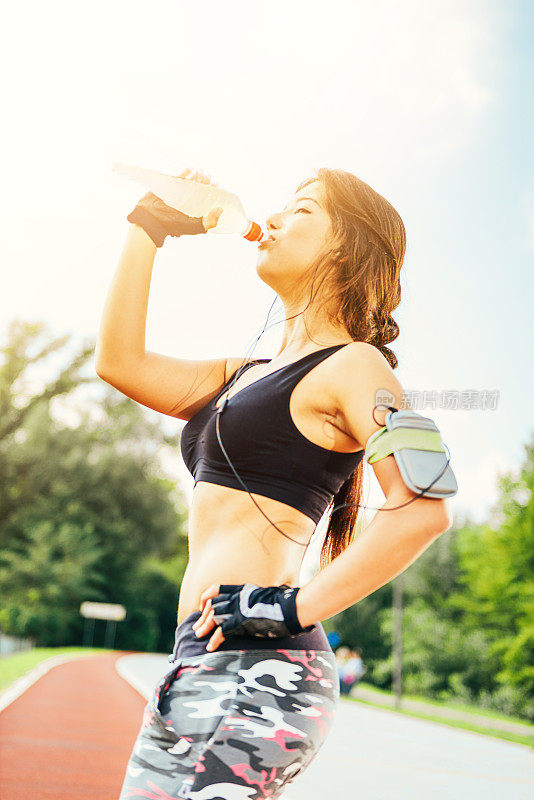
<point>430,103</point>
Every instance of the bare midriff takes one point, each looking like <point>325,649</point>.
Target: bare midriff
<point>230,541</point>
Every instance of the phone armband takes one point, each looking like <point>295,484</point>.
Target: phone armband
<point>416,443</point>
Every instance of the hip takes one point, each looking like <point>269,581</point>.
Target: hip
<point>252,714</point>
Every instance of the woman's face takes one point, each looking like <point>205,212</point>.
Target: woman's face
<point>300,231</point>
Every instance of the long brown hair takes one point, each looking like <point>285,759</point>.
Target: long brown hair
<point>361,276</point>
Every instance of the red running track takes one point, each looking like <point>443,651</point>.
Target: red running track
<point>70,734</point>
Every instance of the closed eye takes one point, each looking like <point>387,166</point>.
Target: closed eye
<point>303,209</point>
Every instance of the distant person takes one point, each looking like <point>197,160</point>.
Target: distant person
<point>350,668</point>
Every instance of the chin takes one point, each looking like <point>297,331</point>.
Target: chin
<point>268,274</point>
<point>263,273</point>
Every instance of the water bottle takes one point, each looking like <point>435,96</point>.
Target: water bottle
<point>197,199</point>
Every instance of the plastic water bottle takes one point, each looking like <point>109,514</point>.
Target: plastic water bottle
<point>196,199</point>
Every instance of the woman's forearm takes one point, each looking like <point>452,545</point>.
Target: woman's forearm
<point>121,335</point>
<point>390,543</point>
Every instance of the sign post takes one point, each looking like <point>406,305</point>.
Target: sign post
<point>397,641</point>
<point>112,612</point>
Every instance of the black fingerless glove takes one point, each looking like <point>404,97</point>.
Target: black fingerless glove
<point>159,220</point>
<point>260,611</point>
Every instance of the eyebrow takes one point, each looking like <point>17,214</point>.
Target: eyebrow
<point>305,198</point>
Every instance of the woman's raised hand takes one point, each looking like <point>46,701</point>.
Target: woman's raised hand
<point>197,175</point>
<point>160,220</point>
<point>211,219</point>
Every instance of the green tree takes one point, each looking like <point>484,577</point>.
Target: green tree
<point>497,583</point>
<point>86,512</point>
<point>45,579</point>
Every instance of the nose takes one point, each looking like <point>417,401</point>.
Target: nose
<point>272,223</point>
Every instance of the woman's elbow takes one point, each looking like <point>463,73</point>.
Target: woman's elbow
<point>431,516</point>
<point>440,516</point>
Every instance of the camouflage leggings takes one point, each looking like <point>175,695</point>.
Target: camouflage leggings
<point>233,725</point>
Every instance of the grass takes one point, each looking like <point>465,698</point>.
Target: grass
<point>456,705</point>
<point>14,667</point>
<point>467,708</point>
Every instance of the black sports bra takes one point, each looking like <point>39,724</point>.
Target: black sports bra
<point>269,453</point>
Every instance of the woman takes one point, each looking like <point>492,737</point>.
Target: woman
<point>273,443</point>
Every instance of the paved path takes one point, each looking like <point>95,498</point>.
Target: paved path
<point>377,754</point>
<point>69,736</point>
<point>143,670</point>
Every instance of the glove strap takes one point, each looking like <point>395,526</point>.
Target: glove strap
<point>140,216</point>
<point>288,602</point>
<point>158,231</point>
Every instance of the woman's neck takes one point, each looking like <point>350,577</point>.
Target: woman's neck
<point>300,338</point>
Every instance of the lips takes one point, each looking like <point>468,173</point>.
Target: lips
<point>267,241</point>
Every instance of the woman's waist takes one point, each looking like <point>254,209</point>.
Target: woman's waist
<point>236,566</point>
<point>187,644</point>
<point>217,507</point>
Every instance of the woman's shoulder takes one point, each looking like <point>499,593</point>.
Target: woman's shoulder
<point>361,378</point>
<point>357,361</point>
<point>364,351</point>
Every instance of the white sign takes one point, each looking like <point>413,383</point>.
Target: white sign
<point>102,611</point>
